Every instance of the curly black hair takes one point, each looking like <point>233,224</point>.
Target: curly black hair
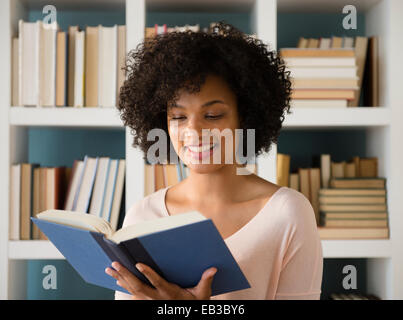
<point>159,67</point>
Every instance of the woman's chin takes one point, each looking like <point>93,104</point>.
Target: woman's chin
<point>203,168</point>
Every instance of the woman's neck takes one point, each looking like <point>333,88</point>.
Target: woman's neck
<point>223,184</point>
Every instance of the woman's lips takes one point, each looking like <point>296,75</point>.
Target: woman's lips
<point>200,152</point>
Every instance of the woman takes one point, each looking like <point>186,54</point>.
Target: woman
<point>195,86</point>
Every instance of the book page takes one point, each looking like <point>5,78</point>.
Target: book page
<point>155,225</point>
<point>78,220</point>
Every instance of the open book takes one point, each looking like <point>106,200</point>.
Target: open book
<point>179,248</point>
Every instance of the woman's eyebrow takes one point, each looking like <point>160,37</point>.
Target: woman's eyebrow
<point>206,104</point>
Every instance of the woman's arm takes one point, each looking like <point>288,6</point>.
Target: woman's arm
<point>302,265</point>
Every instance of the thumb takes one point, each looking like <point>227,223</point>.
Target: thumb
<point>203,288</point>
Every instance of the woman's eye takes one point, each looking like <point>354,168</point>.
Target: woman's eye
<point>211,116</point>
<point>177,118</point>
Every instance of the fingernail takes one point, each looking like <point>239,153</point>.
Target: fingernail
<point>115,265</point>
<point>213,272</point>
<point>139,267</point>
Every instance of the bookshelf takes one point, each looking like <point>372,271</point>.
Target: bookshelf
<point>381,125</point>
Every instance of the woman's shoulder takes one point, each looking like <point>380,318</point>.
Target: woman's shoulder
<point>150,207</point>
<point>294,206</point>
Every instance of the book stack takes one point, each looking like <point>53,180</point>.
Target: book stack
<point>318,185</point>
<point>354,208</point>
<point>73,68</point>
<point>329,72</point>
<point>92,185</point>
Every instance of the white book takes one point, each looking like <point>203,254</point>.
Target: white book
<point>149,180</point>
<point>117,196</point>
<point>86,185</point>
<point>323,72</point>
<point>320,61</point>
<point>348,42</point>
<point>324,43</point>
<point>121,59</point>
<point>47,64</point>
<point>15,195</point>
<point>99,186</point>
<point>28,62</point>
<point>15,80</point>
<point>318,103</point>
<point>110,189</point>
<point>79,69</point>
<point>74,184</point>
<point>107,83</point>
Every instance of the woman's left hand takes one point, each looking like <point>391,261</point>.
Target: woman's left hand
<point>164,290</point>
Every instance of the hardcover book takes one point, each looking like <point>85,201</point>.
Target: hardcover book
<point>179,248</point>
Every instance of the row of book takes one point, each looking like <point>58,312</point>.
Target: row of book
<point>93,185</point>
<point>329,72</point>
<point>353,296</point>
<point>348,198</point>
<point>75,68</point>
<point>159,176</point>
<point>150,32</point>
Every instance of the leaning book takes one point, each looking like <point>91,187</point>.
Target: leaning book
<point>179,248</point>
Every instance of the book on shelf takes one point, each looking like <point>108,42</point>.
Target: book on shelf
<point>360,49</point>
<point>92,185</point>
<point>322,94</point>
<point>325,67</point>
<point>358,183</point>
<point>352,296</point>
<point>158,176</point>
<point>283,169</point>
<point>96,187</point>
<point>61,69</point>
<point>338,195</point>
<point>167,245</point>
<point>316,52</point>
<point>371,74</point>
<point>75,68</point>
<point>356,204</point>
<point>351,233</point>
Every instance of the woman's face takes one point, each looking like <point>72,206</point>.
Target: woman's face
<point>199,124</point>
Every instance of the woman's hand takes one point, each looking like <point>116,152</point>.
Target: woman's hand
<point>164,290</point>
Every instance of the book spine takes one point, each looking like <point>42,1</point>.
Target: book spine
<point>134,248</point>
<point>116,252</point>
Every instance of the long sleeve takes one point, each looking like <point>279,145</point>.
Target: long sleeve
<point>302,265</point>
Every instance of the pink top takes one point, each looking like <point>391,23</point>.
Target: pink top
<point>279,249</point>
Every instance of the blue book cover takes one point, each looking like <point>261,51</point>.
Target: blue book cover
<point>180,255</point>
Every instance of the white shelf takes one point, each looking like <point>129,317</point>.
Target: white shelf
<point>381,248</point>
<point>337,117</point>
<point>65,117</point>
<point>43,249</point>
<point>32,249</point>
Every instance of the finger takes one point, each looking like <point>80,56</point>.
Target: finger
<point>119,279</point>
<point>155,279</point>
<point>135,284</point>
<point>203,288</point>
